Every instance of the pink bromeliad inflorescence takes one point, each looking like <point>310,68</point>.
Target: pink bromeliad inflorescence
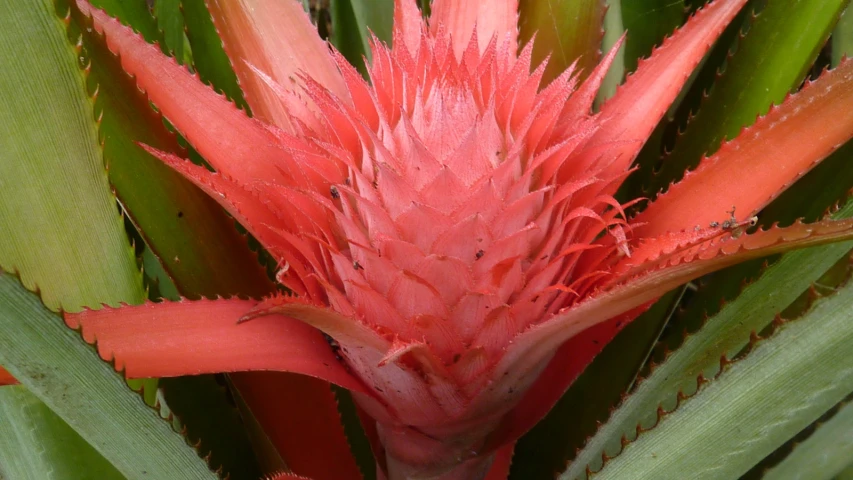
<point>450,221</point>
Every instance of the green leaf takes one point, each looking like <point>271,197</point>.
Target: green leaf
<point>212,423</point>
<point>175,218</point>
<point>842,37</point>
<point>568,30</point>
<point>358,441</point>
<point>846,474</point>
<point>61,229</point>
<point>131,12</point>
<point>771,61</point>
<point>648,22</point>
<point>171,23</point>
<point>723,334</point>
<point>209,58</point>
<point>613,30</point>
<point>691,97</point>
<point>66,374</point>
<point>425,7</point>
<point>554,440</point>
<point>352,23</point>
<point>824,454</point>
<point>36,444</point>
<point>781,386</point>
<point>373,16</point>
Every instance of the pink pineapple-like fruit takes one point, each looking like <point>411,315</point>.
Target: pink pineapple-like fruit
<point>449,223</point>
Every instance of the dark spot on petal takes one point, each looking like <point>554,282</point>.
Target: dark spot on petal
<point>180,214</point>
<point>335,193</point>
<point>456,357</point>
<point>480,254</point>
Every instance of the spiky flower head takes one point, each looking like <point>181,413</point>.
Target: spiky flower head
<point>450,223</point>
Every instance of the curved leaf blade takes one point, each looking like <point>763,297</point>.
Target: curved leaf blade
<point>821,456</point>
<point>209,58</point>
<point>786,382</point>
<point>771,61</point>
<point>723,334</point>
<point>53,186</point>
<point>549,446</point>
<point>175,218</point>
<point>648,22</point>
<point>69,377</point>
<point>36,444</point>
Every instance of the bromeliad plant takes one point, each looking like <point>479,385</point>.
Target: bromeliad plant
<point>454,237</point>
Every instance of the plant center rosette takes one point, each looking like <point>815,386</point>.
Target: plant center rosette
<point>449,223</point>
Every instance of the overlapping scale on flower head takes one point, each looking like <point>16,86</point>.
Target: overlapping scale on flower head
<point>458,220</point>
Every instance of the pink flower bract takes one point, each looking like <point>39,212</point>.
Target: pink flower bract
<point>450,222</point>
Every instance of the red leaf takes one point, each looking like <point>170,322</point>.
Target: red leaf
<point>286,476</point>
<point>537,345</point>
<point>755,167</point>
<point>629,117</point>
<point>503,460</point>
<point>568,363</point>
<point>498,20</point>
<point>6,378</point>
<point>194,337</point>
<point>300,417</point>
<point>234,144</point>
<point>278,39</point>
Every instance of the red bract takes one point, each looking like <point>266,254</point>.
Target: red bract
<point>450,223</point>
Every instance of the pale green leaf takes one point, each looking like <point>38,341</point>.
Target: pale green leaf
<point>613,30</point>
<point>825,453</point>
<point>61,227</point>
<point>35,444</point>
<point>725,333</point>
<point>65,373</point>
<point>756,404</point>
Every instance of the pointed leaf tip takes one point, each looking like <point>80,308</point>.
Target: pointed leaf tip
<point>632,114</point>
<point>277,38</point>
<point>232,142</point>
<point>6,378</point>
<point>463,18</point>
